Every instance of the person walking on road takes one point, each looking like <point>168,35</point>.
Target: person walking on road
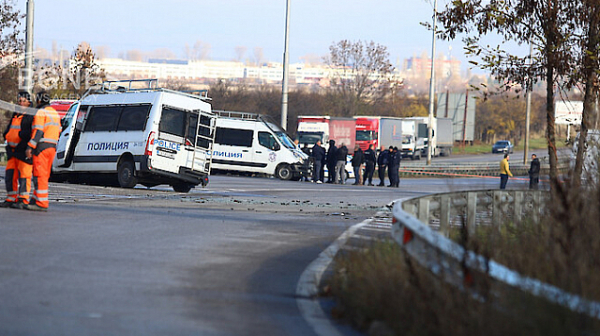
<point>318,155</point>
<point>42,148</point>
<point>394,166</point>
<point>340,165</point>
<point>370,160</point>
<point>357,161</point>
<point>534,172</point>
<point>331,160</point>
<point>504,171</point>
<point>382,163</point>
<point>19,168</point>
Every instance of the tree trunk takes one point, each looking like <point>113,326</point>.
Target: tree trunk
<point>591,90</point>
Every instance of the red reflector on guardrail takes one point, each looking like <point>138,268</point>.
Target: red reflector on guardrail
<point>407,236</point>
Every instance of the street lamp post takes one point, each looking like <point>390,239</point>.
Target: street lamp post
<point>28,78</point>
<point>284,89</point>
<point>431,88</point>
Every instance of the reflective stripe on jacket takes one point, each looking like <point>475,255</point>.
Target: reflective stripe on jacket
<point>46,128</point>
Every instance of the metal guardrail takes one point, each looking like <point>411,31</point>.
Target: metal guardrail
<point>426,242</point>
<point>2,152</point>
<point>475,169</point>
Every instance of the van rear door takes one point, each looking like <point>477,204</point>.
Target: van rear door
<point>199,141</point>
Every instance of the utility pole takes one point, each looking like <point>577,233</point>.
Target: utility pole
<point>431,88</point>
<point>528,106</point>
<point>284,89</point>
<point>28,80</point>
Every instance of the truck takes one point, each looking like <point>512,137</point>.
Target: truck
<point>325,128</point>
<point>444,137</point>
<point>414,137</point>
<point>378,131</point>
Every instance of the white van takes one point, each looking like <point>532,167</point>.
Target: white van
<point>149,136</point>
<point>248,142</point>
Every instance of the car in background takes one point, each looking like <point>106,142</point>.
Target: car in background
<point>503,146</point>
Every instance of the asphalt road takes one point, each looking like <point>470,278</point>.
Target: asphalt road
<point>223,260</point>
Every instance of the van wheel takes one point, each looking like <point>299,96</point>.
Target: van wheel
<point>284,172</point>
<point>126,174</point>
<point>182,187</point>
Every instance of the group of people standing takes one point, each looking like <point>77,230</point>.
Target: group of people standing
<point>31,139</point>
<point>335,160</point>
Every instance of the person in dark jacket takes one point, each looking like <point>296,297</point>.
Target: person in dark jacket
<point>393,166</point>
<point>331,160</point>
<point>318,155</point>
<point>357,161</point>
<point>370,160</point>
<point>340,164</point>
<point>382,163</point>
<point>19,168</point>
<point>534,172</point>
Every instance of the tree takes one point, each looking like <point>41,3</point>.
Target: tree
<point>549,24</point>
<point>11,48</point>
<point>360,73</point>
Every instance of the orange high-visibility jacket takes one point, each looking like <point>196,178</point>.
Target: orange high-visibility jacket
<point>46,129</point>
<point>17,135</point>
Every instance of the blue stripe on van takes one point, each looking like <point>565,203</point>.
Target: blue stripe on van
<point>103,158</point>
<point>240,163</point>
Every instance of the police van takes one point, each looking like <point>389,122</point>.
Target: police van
<point>249,142</point>
<point>145,135</point>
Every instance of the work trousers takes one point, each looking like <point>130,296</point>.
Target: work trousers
<point>42,167</point>
<point>394,176</point>
<point>357,174</point>
<point>533,182</point>
<point>369,170</point>
<point>503,180</point>
<point>331,171</point>
<point>18,180</point>
<point>340,172</point>
<point>317,171</point>
<point>381,173</point>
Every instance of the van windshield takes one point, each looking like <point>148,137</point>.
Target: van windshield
<point>66,121</point>
<point>285,140</point>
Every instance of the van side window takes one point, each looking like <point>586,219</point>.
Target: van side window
<point>267,139</point>
<point>133,118</point>
<point>234,137</point>
<point>103,119</point>
<point>172,121</point>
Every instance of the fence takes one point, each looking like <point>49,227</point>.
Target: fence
<point>425,240</point>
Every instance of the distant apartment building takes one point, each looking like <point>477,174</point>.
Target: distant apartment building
<point>204,72</point>
<point>420,67</point>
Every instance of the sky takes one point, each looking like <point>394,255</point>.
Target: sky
<point>227,24</point>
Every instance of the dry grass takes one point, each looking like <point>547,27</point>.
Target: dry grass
<point>562,249</point>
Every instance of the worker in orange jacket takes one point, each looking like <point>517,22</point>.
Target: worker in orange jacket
<point>42,148</point>
<point>18,168</point>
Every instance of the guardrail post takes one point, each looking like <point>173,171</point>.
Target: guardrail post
<point>410,207</point>
<point>536,206</point>
<point>423,214</point>
<point>471,211</point>
<point>445,215</point>
<point>497,207</point>
<point>518,205</point>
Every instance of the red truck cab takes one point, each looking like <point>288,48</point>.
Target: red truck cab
<point>367,132</point>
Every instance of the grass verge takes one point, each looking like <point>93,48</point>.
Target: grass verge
<point>382,292</point>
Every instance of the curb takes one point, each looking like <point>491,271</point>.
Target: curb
<point>307,288</point>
